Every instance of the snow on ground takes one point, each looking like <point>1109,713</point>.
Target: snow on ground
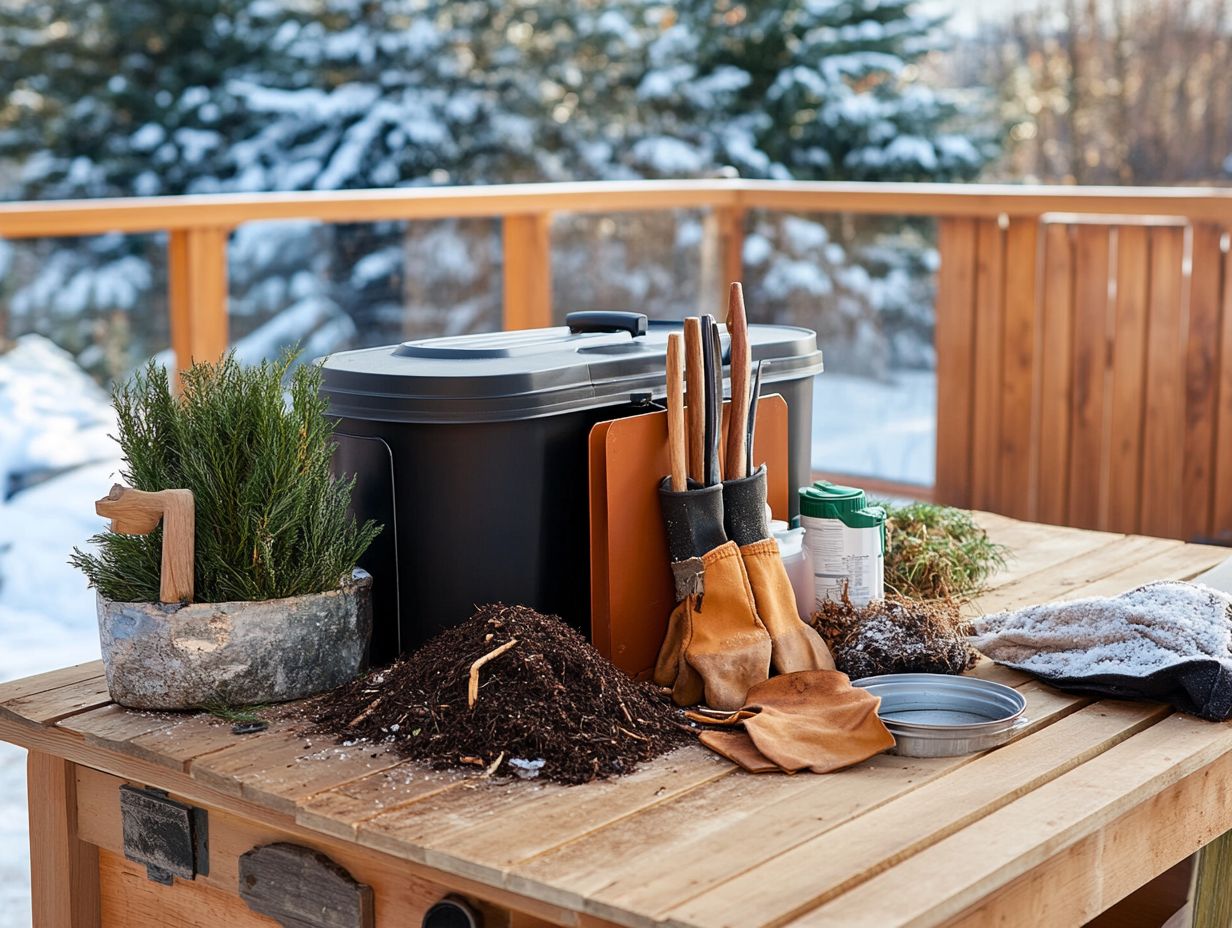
<point>886,429</point>
<point>52,418</point>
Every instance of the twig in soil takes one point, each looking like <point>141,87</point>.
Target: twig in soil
<point>367,712</point>
<point>491,769</point>
<point>472,689</point>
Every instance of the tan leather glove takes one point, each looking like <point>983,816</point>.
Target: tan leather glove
<point>815,720</point>
<point>716,648</point>
<point>796,646</point>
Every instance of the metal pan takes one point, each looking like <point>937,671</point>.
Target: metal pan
<point>935,715</point>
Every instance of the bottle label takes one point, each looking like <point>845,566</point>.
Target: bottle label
<point>845,557</point>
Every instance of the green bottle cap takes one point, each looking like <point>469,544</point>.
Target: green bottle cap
<point>825,500</point>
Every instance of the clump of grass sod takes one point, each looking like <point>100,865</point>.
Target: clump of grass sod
<point>937,552</point>
<point>254,445</point>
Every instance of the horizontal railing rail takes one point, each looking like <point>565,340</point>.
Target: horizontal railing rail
<point>1084,334</point>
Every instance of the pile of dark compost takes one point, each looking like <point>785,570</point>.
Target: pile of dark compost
<point>548,705</point>
<point>896,635</point>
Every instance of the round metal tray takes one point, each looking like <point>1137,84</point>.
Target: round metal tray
<point>935,715</point>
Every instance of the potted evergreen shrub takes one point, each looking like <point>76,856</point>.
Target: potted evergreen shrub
<point>228,575</point>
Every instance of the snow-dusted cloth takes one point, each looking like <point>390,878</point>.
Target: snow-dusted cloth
<point>1169,642</point>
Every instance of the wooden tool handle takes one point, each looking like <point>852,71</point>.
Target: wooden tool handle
<point>741,359</point>
<point>138,512</point>
<point>675,411</point>
<point>696,397</point>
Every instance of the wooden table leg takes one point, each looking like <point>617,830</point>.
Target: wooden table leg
<point>1212,903</point>
<point>63,869</point>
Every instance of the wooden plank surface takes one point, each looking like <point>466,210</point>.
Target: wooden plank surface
<point>955,331</point>
<point>1056,367</point>
<point>1128,379</point>
<point>1017,451</point>
<point>1201,380</point>
<point>986,380</point>
<point>54,679</point>
<point>63,868</point>
<point>1090,461</point>
<point>689,840</point>
<point>946,878</point>
<point>811,873</point>
<point>1163,435</point>
<point>1221,518</point>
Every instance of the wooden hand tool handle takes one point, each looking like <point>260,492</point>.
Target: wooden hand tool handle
<point>741,360</point>
<point>675,411</point>
<point>138,512</point>
<point>696,397</point>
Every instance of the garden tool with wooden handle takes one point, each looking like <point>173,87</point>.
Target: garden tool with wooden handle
<point>715,648</point>
<point>138,512</point>
<point>695,397</point>
<point>814,721</point>
<point>797,646</point>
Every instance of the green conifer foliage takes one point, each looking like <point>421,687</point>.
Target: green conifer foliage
<point>271,518</point>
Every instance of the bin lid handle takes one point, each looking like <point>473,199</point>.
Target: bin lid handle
<point>607,321</point>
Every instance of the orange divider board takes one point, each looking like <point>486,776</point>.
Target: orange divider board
<point>630,578</point>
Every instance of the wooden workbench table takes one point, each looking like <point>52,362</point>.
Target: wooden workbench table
<point>1095,799</point>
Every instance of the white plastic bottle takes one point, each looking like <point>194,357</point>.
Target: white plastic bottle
<point>845,538</point>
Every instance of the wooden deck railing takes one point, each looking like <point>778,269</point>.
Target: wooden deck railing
<point>1084,335</point>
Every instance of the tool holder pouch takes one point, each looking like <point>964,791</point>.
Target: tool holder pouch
<point>744,508</point>
<point>692,518</point>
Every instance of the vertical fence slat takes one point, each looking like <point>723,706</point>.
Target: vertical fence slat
<point>527,248</point>
<point>986,390</point>
<point>1221,514</point>
<point>1057,321</point>
<point>1018,354</point>
<point>1201,382</point>
<point>731,239</point>
<point>1128,379</point>
<point>1089,464</point>
<point>1163,435</point>
<point>197,294</point>
<point>954,340</point>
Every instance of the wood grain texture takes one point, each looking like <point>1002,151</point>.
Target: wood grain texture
<point>1018,357</point>
<point>955,330</point>
<point>51,680</point>
<point>138,512</point>
<point>527,282</point>
<point>1163,434</point>
<point>735,464</point>
<point>1090,462</point>
<point>695,397</point>
<point>1201,391</point>
<point>677,442</point>
<point>942,881</point>
<point>300,887</point>
<point>811,873</point>
<point>49,706</point>
<point>986,379</point>
<point>197,294</point>
<point>63,868</point>
<point>1128,387</point>
<point>1056,371</point>
<point>129,900</point>
<point>1221,515</point>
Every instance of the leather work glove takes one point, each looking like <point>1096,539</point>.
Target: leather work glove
<point>814,721</point>
<point>796,646</point>
<point>716,648</point>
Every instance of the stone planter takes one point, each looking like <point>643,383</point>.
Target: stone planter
<point>188,656</point>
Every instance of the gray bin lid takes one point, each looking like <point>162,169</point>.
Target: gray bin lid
<point>502,376</point>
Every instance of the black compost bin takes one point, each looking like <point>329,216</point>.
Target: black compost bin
<point>472,451</point>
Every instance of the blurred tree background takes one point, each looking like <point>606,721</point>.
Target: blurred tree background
<point>144,99</point>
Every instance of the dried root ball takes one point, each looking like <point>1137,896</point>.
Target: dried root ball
<point>896,636</point>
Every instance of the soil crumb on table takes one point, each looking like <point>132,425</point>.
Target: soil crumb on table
<point>549,706</point>
<point>896,635</point>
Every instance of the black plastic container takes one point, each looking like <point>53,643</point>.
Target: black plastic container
<point>473,452</point>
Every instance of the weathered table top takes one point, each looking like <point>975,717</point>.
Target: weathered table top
<point>1094,799</point>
